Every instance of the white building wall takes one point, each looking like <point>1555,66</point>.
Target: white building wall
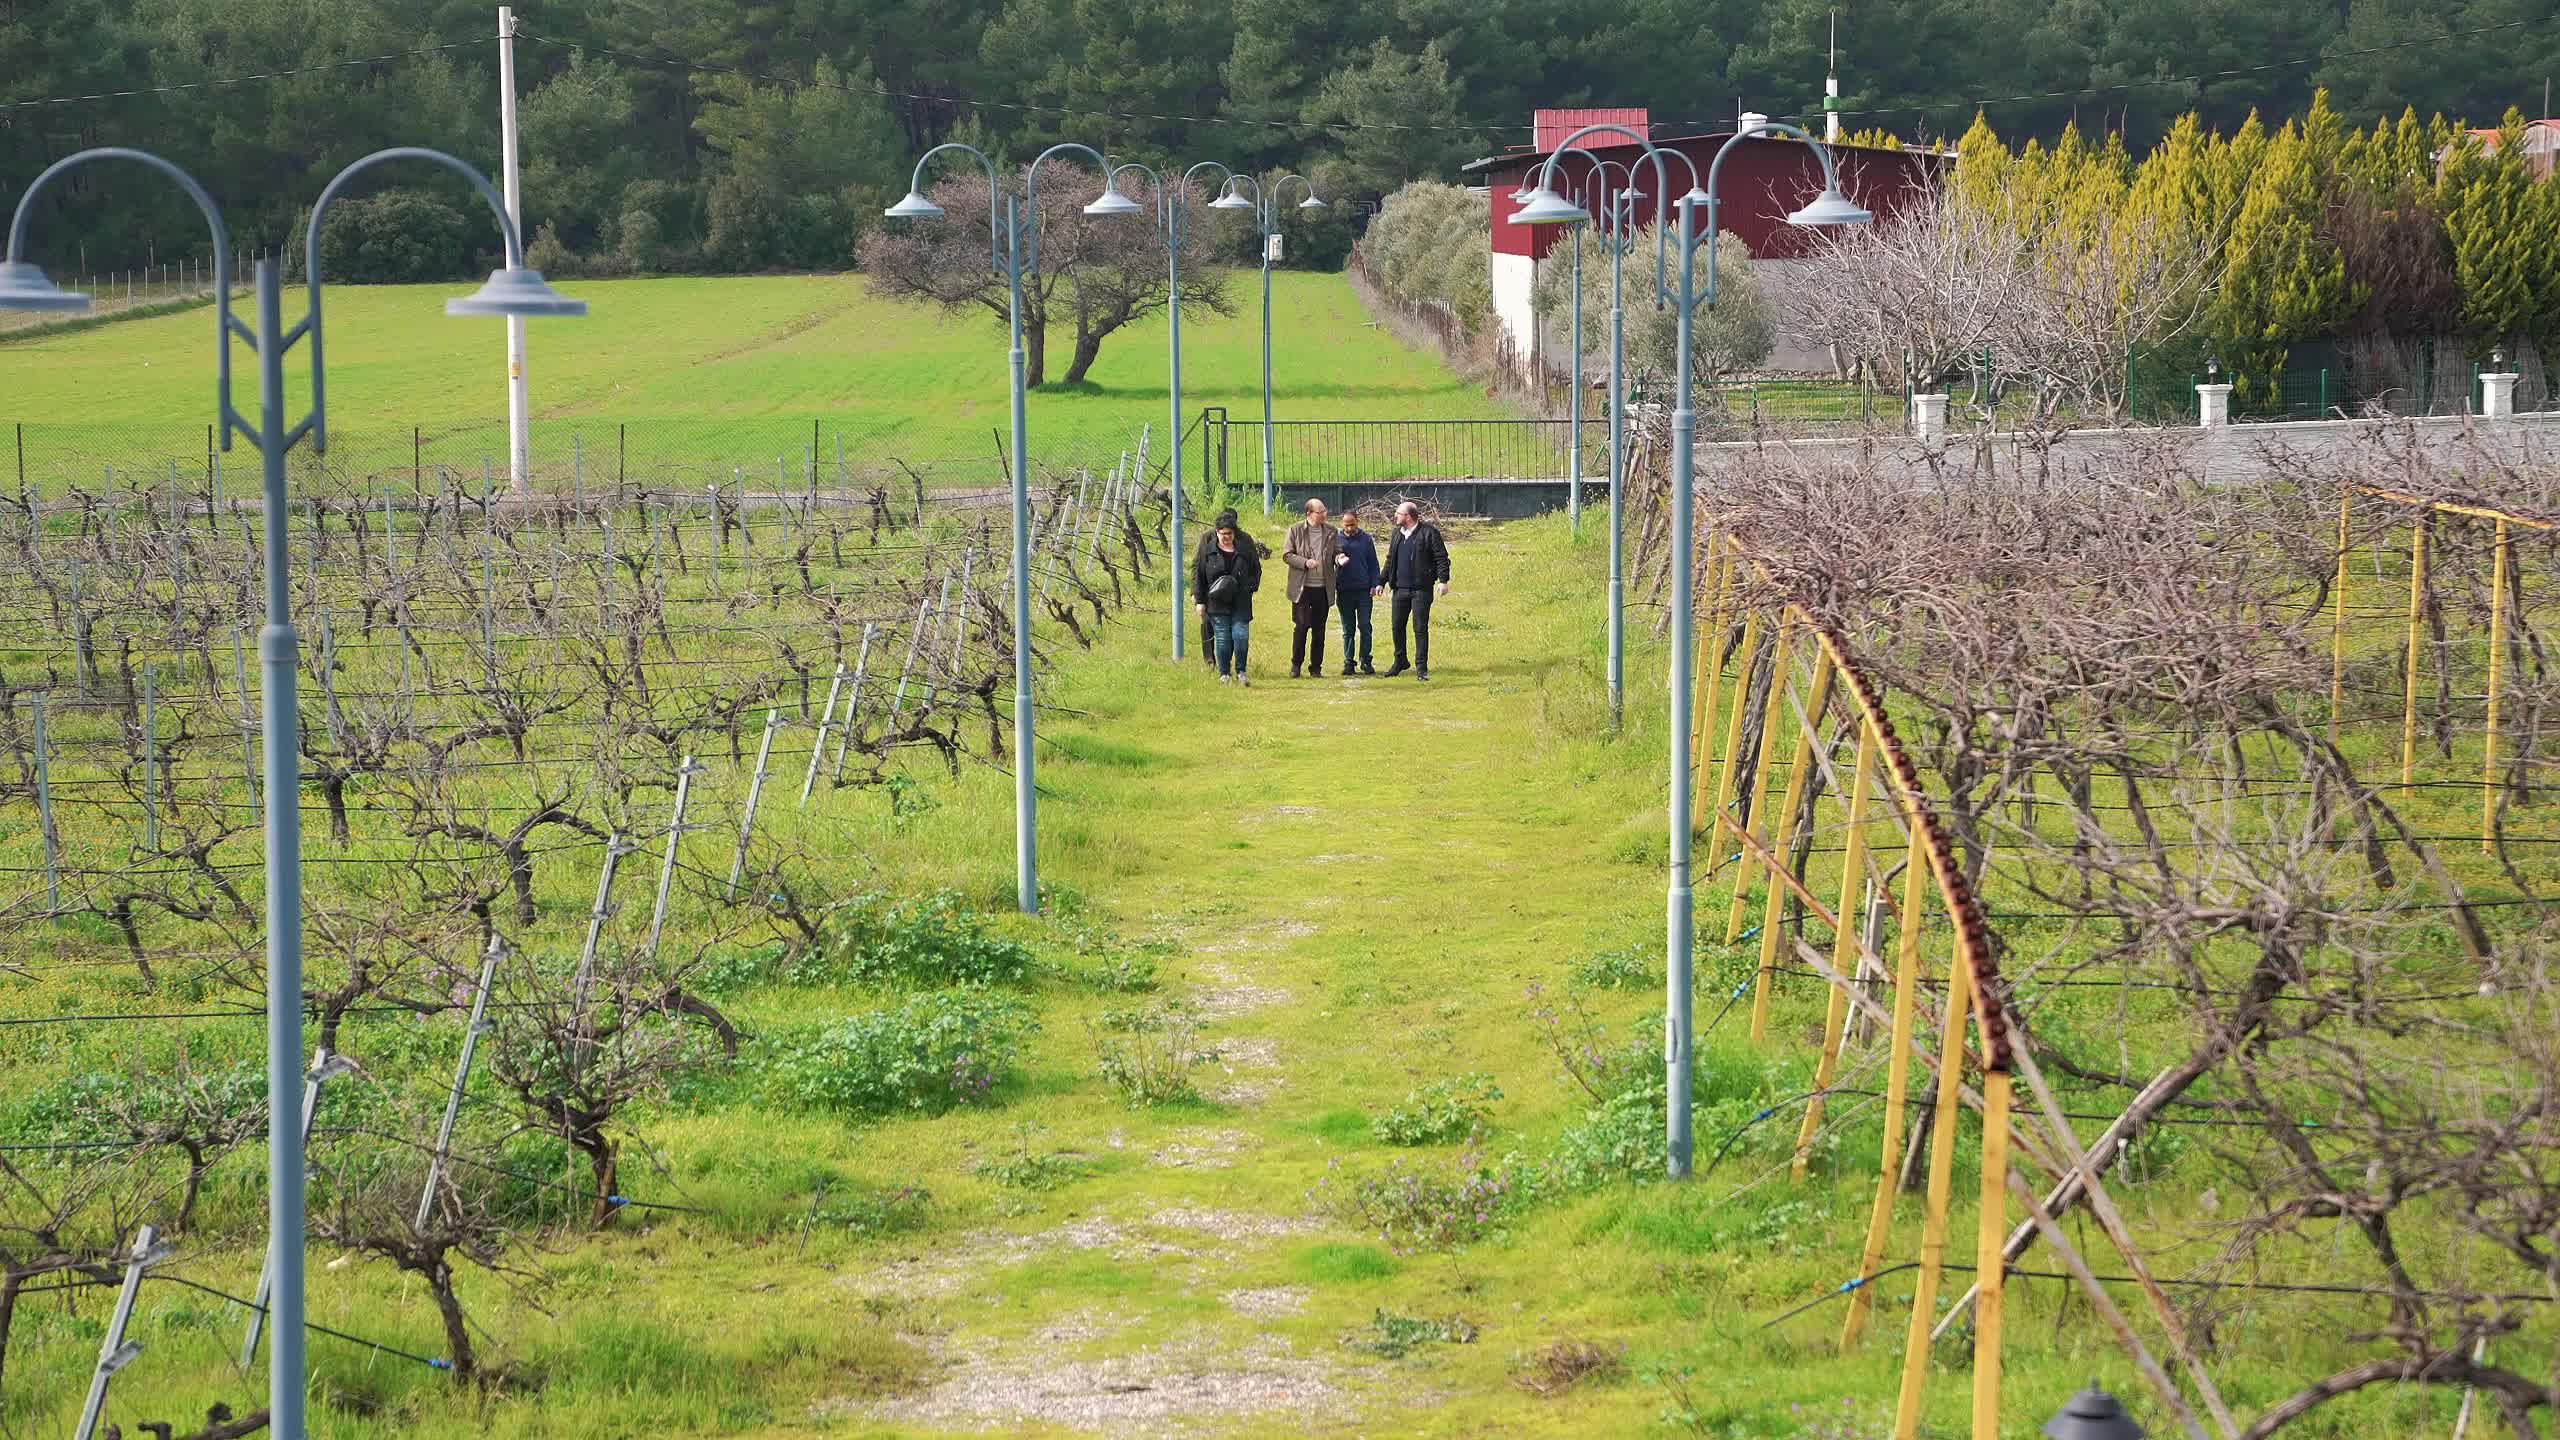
<point>1513,277</point>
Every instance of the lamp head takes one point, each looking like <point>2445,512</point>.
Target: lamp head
<point>2093,1414</point>
<point>1112,202</point>
<point>2213,369</point>
<point>23,286</point>
<point>2498,356</point>
<point>1311,202</point>
<point>1830,208</point>
<point>914,207</point>
<point>1546,207</point>
<point>1230,200</point>
<point>515,291</point>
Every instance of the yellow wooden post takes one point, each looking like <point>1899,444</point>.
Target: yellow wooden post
<point>2409,701</point>
<point>1760,779</point>
<point>1897,1088</point>
<point>2497,653</point>
<point>1990,1265</point>
<point>1710,675</point>
<point>2338,627</point>
<point>1933,1222</point>
<point>1844,944</point>
<point>1719,822</point>
<point>1784,834</point>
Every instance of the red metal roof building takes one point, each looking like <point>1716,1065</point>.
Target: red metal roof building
<point>1768,177</point>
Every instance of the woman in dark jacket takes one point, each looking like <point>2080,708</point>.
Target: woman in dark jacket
<point>1224,576</point>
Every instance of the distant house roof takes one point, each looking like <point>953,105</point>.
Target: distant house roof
<point>1550,127</point>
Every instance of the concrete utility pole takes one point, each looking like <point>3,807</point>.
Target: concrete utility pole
<point>519,423</point>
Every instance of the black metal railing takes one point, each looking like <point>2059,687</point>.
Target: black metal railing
<point>1335,452</point>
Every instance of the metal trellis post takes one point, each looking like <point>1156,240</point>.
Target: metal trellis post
<point>755,792</point>
<point>667,872</point>
<point>115,1352</point>
<point>853,702</point>
<point>461,1077</point>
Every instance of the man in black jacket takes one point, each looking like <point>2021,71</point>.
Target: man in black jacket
<point>1417,572</point>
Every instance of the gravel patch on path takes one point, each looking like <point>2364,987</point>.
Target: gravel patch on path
<point>1176,1389</point>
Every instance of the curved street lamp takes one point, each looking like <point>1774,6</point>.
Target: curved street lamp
<point>1266,214</point>
<point>1169,218</point>
<point>1546,207</point>
<point>1014,250</point>
<point>511,290</point>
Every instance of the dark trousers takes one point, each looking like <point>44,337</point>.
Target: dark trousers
<point>1415,604</point>
<point>1356,636</point>
<point>1309,614</point>
<point>1208,644</point>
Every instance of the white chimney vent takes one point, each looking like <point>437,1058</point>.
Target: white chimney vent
<point>1747,119</point>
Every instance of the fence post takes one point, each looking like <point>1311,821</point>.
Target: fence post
<point>151,757</point>
<point>489,568</point>
<point>853,702</point>
<point>755,791</point>
<point>960,613</point>
<point>44,809</point>
<point>667,872</point>
<point>324,1067</point>
<point>621,435</point>
<point>115,1352</point>
<point>461,1076</point>
<point>577,474</point>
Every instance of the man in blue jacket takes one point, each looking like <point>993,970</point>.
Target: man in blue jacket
<point>1356,583</point>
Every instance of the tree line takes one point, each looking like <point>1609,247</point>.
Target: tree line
<point>760,135</point>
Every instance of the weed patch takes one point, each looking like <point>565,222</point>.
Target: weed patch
<point>1444,1112</point>
<point>1393,1336</point>
<point>928,1054</point>
<point>1148,1054</point>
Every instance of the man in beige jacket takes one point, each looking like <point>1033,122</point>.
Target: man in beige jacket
<point>1312,553</point>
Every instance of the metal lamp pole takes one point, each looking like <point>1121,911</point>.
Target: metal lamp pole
<point>512,291</point>
<point>1546,207</point>
<point>1266,207</point>
<point>1169,204</point>
<point>1621,212</point>
<point>1013,250</point>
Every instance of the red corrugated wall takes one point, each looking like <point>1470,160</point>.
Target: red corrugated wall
<point>1552,126</point>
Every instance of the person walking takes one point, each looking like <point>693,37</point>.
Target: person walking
<point>1223,580</point>
<point>1355,585</point>
<point>1312,553</point>
<point>1417,573</point>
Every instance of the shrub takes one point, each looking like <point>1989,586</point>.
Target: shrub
<point>1395,1336</point>
<point>1412,1207</point>
<point>1440,1113</point>
<point>924,943</point>
<point>929,1053</point>
<point>1148,1054</point>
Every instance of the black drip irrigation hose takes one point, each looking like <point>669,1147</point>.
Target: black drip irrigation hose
<point>430,1361</point>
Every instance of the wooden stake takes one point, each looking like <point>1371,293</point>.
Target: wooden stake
<point>2409,702</point>
<point>2338,627</point>
<point>2497,654</point>
<point>1933,1224</point>
<point>1844,943</point>
<point>1990,1267</point>
<point>1897,1087</point>
<point>1759,780</point>
<point>1782,843</point>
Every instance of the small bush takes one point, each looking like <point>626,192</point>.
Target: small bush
<point>1441,1113</point>
<point>1620,1138</point>
<point>928,1054</point>
<point>1148,1054</point>
<point>1412,1207</point>
<point>1628,967</point>
<point>1119,974</point>
<point>1028,1169</point>
<point>1395,1336</point>
<point>928,942</point>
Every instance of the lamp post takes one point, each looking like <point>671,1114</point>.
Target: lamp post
<point>1546,207</point>
<point>511,291</point>
<point>1265,207</point>
<point>1014,249</point>
<point>1169,217</point>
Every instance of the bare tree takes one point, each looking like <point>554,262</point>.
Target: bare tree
<point>1095,273</point>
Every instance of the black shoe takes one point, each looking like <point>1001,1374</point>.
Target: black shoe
<point>1293,672</point>
<point>1368,669</point>
<point>1421,674</point>
<point>1397,669</point>
<point>1348,672</point>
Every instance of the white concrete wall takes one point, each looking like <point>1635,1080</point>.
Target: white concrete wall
<point>1513,278</point>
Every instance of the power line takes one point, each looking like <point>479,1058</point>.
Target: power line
<point>325,65</point>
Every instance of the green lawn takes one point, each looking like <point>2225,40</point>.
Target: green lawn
<point>706,373</point>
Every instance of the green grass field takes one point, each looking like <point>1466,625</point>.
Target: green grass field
<point>707,372</point>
